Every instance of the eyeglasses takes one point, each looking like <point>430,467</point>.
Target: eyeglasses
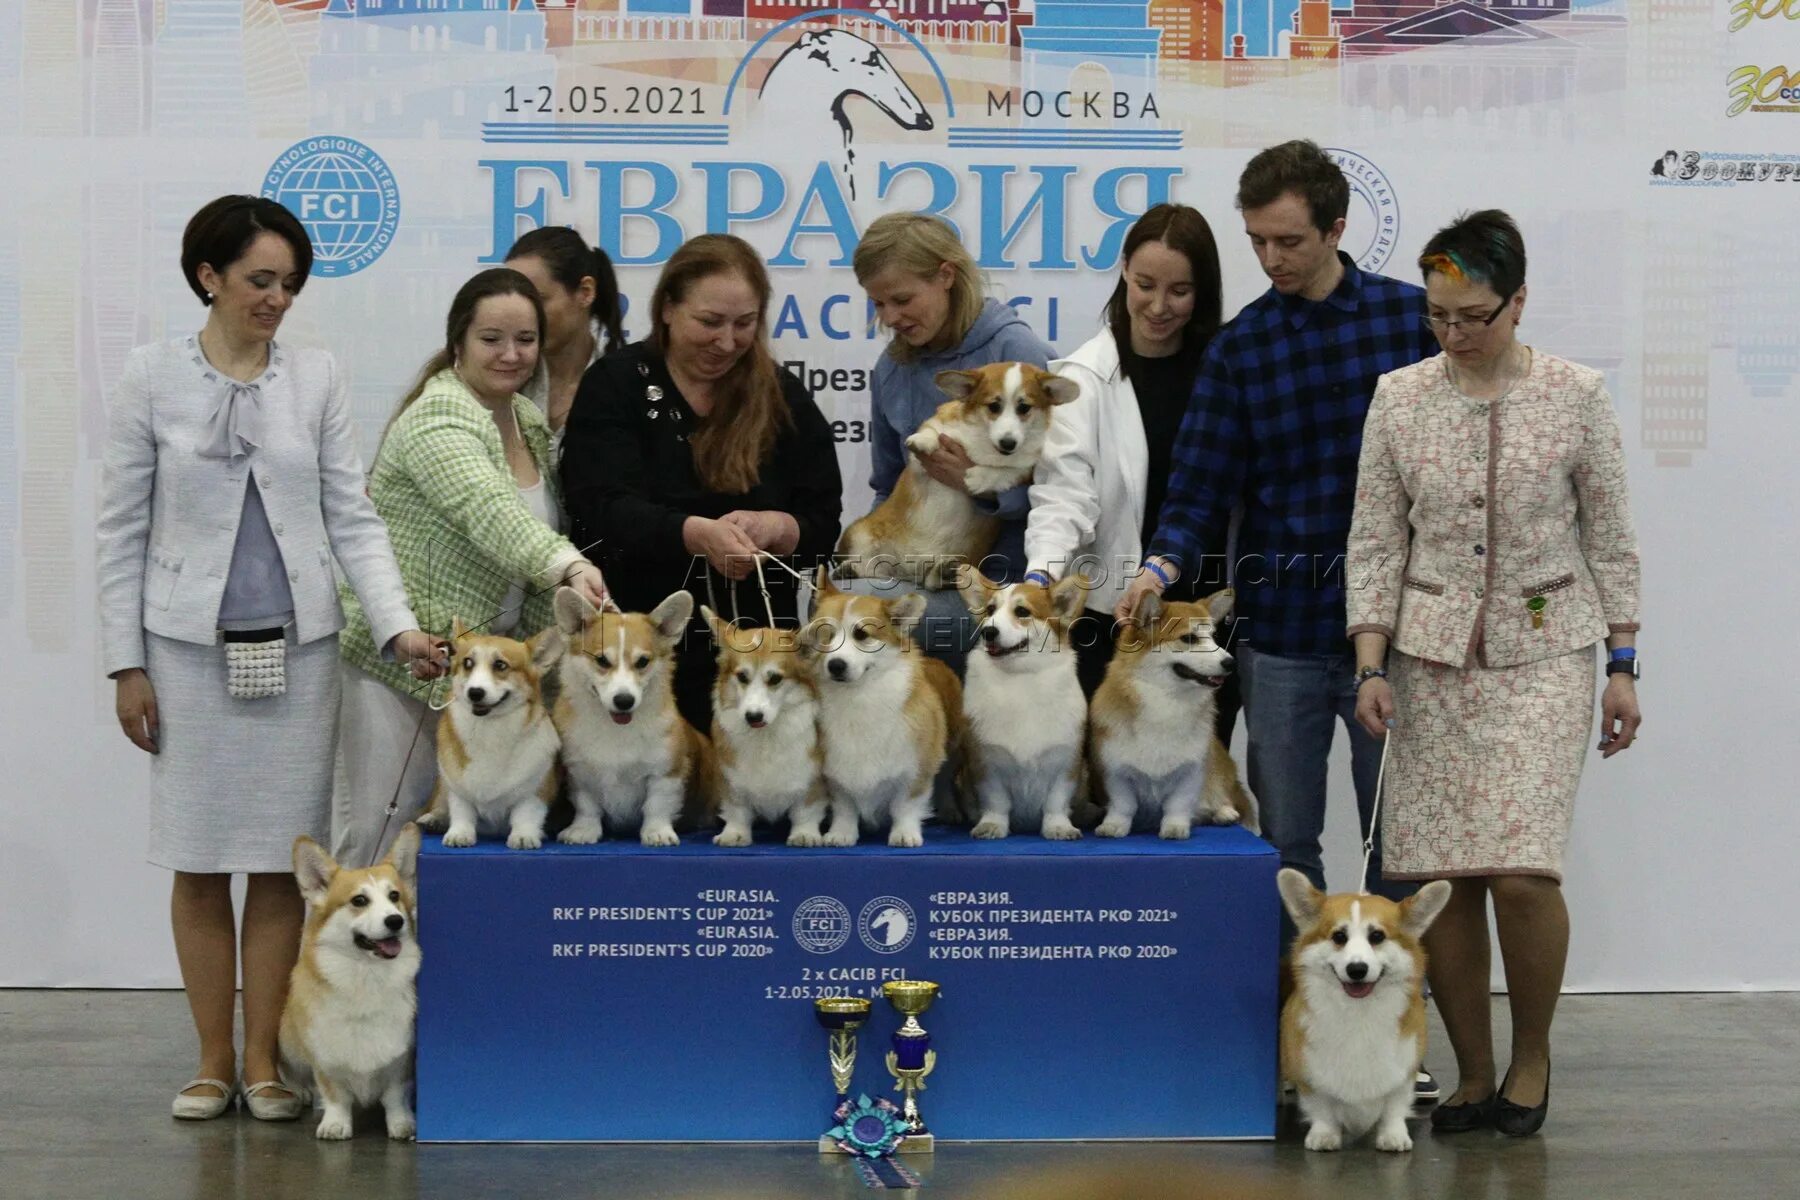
<point>1443,325</point>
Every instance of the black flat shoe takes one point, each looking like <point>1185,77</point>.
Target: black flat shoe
<point>1463,1118</point>
<point>1515,1120</point>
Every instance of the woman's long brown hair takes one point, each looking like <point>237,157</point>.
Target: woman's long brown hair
<point>748,407</point>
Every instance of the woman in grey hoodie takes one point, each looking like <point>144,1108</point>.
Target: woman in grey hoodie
<point>928,291</point>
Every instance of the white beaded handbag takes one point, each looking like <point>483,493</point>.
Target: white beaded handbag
<point>256,670</point>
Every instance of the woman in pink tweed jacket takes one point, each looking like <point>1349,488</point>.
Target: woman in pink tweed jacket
<point>1492,549</point>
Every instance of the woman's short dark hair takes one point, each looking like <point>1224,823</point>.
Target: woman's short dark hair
<point>569,259</point>
<point>1301,167</point>
<point>220,233</point>
<point>1483,247</point>
<point>1183,230</point>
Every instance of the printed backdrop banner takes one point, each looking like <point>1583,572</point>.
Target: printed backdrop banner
<point>1647,147</point>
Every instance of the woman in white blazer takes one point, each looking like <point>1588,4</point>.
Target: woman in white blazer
<point>1100,481</point>
<point>231,482</point>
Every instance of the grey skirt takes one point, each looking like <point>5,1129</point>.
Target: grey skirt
<point>236,781</point>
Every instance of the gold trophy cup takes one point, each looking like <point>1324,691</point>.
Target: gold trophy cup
<point>912,1057</point>
<point>841,1017</point>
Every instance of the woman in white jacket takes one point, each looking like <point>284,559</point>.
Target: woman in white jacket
<point>1100,482</point>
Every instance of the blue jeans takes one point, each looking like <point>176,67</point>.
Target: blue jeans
<point>1291,707</point>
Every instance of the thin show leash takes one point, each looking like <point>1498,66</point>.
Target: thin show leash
<point>1375,809</point>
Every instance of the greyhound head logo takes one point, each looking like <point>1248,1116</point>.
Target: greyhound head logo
<point>812,79</point>
<point>893,926</point>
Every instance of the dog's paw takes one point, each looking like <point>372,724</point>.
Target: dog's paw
<point>664,836</point>
<point>402,1127</point>
<point>845,837</point>
<point>1322,1137</point>
<point>806,837</point>
<point>432,822</point>
<point>459,837</point>
<point>1175,829</point>
<point>906,838</point>
<point>333,1128</point>
<point>733,837</point>
<point>581,832</point>
<point>1114,827</point>
<point>1395,1141</point>
<point>990,827</point>
<point>1061,829</point>
<point>524,839</point>
<point>1225,815</point>
<point>924,440</point>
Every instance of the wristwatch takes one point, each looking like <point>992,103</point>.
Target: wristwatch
<point>1367,673</point>
<point>1624,666</point>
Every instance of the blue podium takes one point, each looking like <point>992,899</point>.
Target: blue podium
<point>1093,989</point>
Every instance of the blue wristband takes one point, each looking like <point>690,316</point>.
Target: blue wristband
<point>1038,577</point>
<point>1158,572</point>
<point>1622,654</point>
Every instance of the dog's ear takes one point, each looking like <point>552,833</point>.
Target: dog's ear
<point>546,646</point>
<point>806,642</point>
<point>573,611</point>
<point>403,856</point>
<point>1147,612</point>
<point>458,631</point>
<point>719,628</point>
<point>1220,604</point>
<point>1059,389</point>
<point>822,585</point>
<point>1066,597</point>
<point>671,616</point>
<point>1302,900</point>
<point>313,869</point>
<point>975,587</point>
<point>957,384</point>
<point>905,612</point>
<point>1420,909</point>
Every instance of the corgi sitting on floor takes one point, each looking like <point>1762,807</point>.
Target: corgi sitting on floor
<point>347,1030</point>
<point>1151,722</point>
<point>633,761</point>
<point>765,734</point>
<point>1353,1027</point>
<point>925,529</point>
<point>1025,715</point>
<point>496,746</point>
<point>888,713</point>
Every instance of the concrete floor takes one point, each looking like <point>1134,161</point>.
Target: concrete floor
<point>1654,1096</point>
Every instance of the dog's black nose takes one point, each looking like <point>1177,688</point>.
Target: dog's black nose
<point>989,633</point>
<point>624,702</point>
<point>396,922</point>
<point>754,717</point>
<point>1226,662</point>
<point>1357,971</point>
<point>838,668</point>
<point>477,694</point>
<point>1007,445</point>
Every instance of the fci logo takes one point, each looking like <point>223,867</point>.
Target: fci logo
<point>344,194</point>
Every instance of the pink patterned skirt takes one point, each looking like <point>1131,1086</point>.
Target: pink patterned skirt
<point>1482,775</point>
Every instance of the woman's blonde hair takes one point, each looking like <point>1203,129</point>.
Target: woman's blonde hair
<point>749,409</point>
<point>919,244</point>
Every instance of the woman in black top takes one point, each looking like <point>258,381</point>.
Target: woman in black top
<point>689,452</point>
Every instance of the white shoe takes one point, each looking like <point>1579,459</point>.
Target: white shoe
<point>202,1107</point>
<point>272,1108</point>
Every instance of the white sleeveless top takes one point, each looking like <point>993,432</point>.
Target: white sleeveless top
<point>538,499</point>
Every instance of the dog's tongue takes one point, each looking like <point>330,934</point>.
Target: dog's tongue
<point>1356,991</point>
<point>388,947</point>
<point>621,718</point>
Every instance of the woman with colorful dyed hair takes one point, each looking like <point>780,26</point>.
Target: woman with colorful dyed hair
<point>1492,549</point>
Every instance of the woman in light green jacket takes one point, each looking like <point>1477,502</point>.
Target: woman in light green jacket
<point>466,483</point>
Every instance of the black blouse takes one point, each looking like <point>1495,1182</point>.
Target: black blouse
<point>629,484</point>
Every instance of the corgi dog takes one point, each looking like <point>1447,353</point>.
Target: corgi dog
<point>1024,713</point>
<point>1151,724</point>
<point>924,529</point>
<point>1353,1026</point>
<point>496,745</point>
<point>347,1029</point>
<point>765,734</point>
<point>634,763</point>
<point>888,714</point>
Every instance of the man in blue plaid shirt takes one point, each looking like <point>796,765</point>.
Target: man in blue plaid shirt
<point>1275,426</point>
